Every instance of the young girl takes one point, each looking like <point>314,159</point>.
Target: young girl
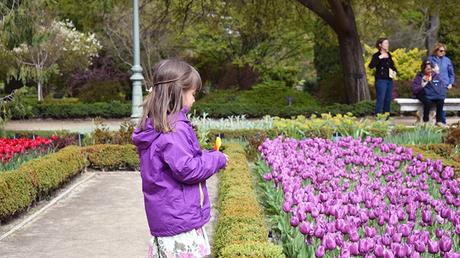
<point>173,167</point>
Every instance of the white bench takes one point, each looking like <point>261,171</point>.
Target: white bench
<point>450,104</point>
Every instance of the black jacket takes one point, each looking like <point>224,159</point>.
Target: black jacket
<point>381,66</point>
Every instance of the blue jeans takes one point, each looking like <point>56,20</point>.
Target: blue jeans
<point>384,89</point>
<point>444,120</point>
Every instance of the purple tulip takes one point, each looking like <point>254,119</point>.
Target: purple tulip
<point>397,237</point>
<point>439,232</point>
<point>445,244</point>
<point>388,254</point>
<point>353,249</point>
<point>415,255</point>
<point>433,247</point>
<point>405,230</point>
<point>426,216</point>
<point>378,251</point>
<point>420,247</point>
<point>451,255</point>
<point>329,242</point>
<point>286,207</point>
<point>320,251</point>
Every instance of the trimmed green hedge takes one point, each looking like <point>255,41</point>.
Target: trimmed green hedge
<point>218,110</point>
<point>241,229</point>
<point>112,157</point>
<point>37,178</point>
<point>64,110</point>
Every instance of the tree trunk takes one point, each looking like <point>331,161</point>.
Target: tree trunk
<point>432,30</point>
<point>351,55</point>
<point>339,15</point>
<point>354,73</point>
<point>40,90</point>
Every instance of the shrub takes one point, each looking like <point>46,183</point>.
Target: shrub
<point>113,109</point>
<point>35,179</point>
<point>241,229</point>
<point>102,91</point>
<point>112,157</point>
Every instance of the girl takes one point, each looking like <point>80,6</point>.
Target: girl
<point>385,71</point>
<point>173,167</point>
<point>428,88</point>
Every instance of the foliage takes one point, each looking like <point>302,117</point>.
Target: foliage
<point>406,61</point>
<point>102,91</point>
<point>113,109</point>
<point>103,70</point>
<point>10,104</point>
<point>420,135</point>
<point>44,47</point>
<point>327,126</point>
<point>112,157</point>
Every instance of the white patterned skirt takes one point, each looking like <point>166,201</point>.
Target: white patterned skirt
<point>191,244</point>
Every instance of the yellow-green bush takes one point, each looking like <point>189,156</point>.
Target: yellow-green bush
<point>112,157</point>
<point>406,61</point>
<point>327,125</point>
<point>241,229</point>
<point>252,250</point>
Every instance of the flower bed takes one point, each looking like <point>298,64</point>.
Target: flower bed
<point>366,198</point>
<point>14,151</point>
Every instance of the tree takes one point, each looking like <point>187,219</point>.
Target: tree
<point>43,47</point>
<point>340,17</point>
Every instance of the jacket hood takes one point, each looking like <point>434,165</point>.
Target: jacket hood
<point>144,138</point>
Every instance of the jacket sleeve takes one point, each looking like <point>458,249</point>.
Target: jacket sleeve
<point>451,73</point>
<point>375,61</point>
<point>184,165</point>
<point>417,84</point>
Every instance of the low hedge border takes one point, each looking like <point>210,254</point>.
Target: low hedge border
<point>38,178</point>
<point>112,157</point>
<point>241,229</point>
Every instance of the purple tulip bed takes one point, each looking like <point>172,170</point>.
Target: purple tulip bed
<point>366,198</point>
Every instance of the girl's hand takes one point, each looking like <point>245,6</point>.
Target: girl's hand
<point>226,157</point>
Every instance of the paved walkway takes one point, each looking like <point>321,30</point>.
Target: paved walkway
<point>101,217</point>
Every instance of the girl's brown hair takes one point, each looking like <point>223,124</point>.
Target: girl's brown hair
<point>171,78</point>
<point>436,47</point>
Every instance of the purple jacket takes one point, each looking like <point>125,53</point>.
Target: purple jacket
<point>172,166</point>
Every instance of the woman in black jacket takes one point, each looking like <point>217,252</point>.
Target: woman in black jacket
<point>385,71</point>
